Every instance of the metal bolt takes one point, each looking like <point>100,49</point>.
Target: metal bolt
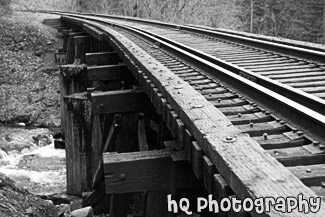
<point>198,106</point>
<point>277,120</point>
<point>122,177</point>
<point>210,94</point>
<point>251,124</point>
<point>239,115</point>
<point>322,147</point>
<point>300,133</point>
<point>265,136</point>
<point>322,184</point>
<point>308,170</point>
<point>219,100</point>
<point>282,122</point>
<point>294,130</point>
<point>316,142</point>
<point>228,138</point>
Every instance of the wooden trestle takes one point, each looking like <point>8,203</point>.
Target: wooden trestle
<point>135,132</point>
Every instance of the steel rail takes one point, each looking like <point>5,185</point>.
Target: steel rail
<point>278,47</point>
<point>315,103</point>
<point>189,56</point>
<point>307,119</point>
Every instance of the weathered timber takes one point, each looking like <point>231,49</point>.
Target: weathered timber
<point>83,142</point>
<point>60,57</point>
<point>208,172</point>
<point>220,189</point>
<point>310,175</point>
<point>245,165</point>
<point>102,58</point>
<point>238,160</point>
<point>82,46</point>
<point>95,32</point>
<point>188,144</point>
<point>144,171</point>
<point>176,153</point>
<point>156,205</point>
<point>71,46</point>
<point>142,137</point>
<point>53,21</point>
<point>119,101</point>
<point>127,141</point>
<point>84,39</point>
<point>72,79</point>
<point>65,40</point>
<point>124,205</point>
<point>106,73</point>
<point>196,159</point>
<point>77,134</point>
<point>107,147</point>
<point>95,195</point>
<point>62,28</point>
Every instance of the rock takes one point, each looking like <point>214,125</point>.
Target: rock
<point>14,140</point>
<point>3,154</point>
<point>38,53</point>
<point>22,124</point>
<point>63,209</point>
<point>83,212</point>
<point>16,201</point>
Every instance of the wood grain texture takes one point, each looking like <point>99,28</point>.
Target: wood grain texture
<point>106,73</point>
<point>144,171</point>
<point>243,163</point>
<point>119,101</point>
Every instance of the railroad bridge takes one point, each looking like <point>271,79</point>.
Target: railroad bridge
<point>154,112</point>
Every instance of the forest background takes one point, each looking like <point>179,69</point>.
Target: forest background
<point>294,19</point>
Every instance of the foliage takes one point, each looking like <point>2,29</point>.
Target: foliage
<point>294,19</point>
<point>5,7</point>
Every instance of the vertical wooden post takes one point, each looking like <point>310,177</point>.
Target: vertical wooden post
<point>78,138</point>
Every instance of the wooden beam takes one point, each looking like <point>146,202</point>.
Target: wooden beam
<point>142,136</point>
<point>246,166</point>
<point>102,58</point>
<point>52,21</point>
<point>84,39</point>
<point>95,32</point>
<point>119,101</point>
<point>248,169</point>
<point>94,196</point>
<point>106,73</point>
<point>108,147</point>
<point>144,171</point>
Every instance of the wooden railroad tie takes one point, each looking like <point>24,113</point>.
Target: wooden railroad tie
<point>203,145</point>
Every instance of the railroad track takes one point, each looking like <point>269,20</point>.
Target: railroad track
<point>291,133</point>
<point>296,72</point>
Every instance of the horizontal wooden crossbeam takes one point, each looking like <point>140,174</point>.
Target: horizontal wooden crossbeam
<point>144,171</point>
<point>95,32</point>
<point>81,40</point>
<point>119,101</point>
<point>102,58</point>
<point>106,73</point>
